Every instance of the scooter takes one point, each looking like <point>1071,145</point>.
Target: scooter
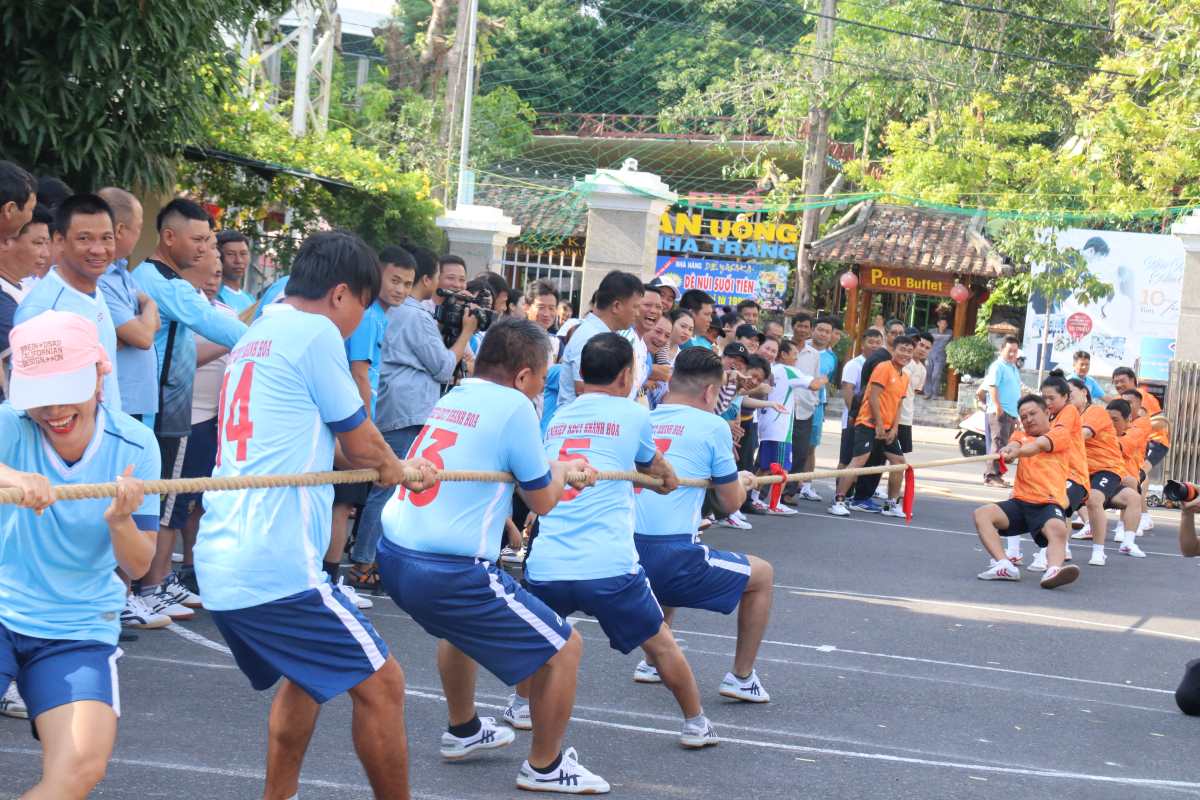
<point>971,439</point>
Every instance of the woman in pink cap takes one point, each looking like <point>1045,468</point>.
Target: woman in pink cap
<point>59,619</point>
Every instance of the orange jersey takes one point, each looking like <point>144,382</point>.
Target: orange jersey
<point>895,387</point>
<point>1042,478</point>
<point>1133,445</point>
<point>1103,451</point>
<point>1153,409</point>
<point>1077,464</point>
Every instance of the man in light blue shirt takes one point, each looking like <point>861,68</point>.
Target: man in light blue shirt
<point>614,308</point>
<point>1082,364</point>
<point>60,597</point>
<point>682,571</point>
<point>287,398</point>
<point>437,558</point>
<point>583,558</point>
<point>234,248</point>
<point>84,231</point>
<point>1001,391</point>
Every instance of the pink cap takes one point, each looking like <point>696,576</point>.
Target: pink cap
<point>54,359</point>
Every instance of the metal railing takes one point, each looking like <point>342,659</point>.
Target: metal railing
<point>1183,414</point>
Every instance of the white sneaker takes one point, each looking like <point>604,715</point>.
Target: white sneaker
<point>838,509</point>
<point>517,715</point>
<point>570,777</point>
<point>488,737</point>
<point>1098,559</point>
<point>11,705</point>
<point>644,673</point>
<point>511,556</point>
<point>782,510</point>
<point>694,737</point>
<point>360,602</point>
<point>1146,523</point>
<point>1039,562</point>
<point>180,593</point>
<point>161,601</point>
<point>759,506</point>
<point>735,521</point>
<point>137,614</point>
<point>1060,576</point>
<point>809,493</point>
<point>1083,533</point>
<point>1001,571</point>
<point>1130,548</point>
<point>891,509</point>
<point>750,690</point>
<point>881,492</point>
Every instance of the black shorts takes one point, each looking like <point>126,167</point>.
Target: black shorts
<point>865,441</point>
<point>1108,483</point>
<point>352,494</point>
<point>172,450</point>
<point>904,437</point>
<point>846,450</point>
<point>1155,453</point>
<point>1029,518</point>
<point>1076,497</point>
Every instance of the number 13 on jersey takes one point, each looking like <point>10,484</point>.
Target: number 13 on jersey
<point>439,440</point>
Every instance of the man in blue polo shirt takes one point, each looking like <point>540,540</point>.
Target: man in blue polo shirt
<point>1001,391</point>
<point>615,307</point>
<point>234,248</point>
<point>682,571</point>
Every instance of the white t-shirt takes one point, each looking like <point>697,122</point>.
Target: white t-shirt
<point>206,388</point>
<point>852,374</point>
<point>915,371</point>
<point>787,381</point>
<point>808,362</point>
<point>640,353</point>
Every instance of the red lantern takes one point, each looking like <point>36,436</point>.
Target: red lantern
<point>848,280</point>
<point>959,293</point>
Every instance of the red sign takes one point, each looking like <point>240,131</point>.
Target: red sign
<point>1079,325</point>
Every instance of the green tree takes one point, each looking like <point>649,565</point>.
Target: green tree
<point>102,91</point>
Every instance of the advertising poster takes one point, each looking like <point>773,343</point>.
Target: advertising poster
<point>729,282</point>
<point>1135,327</point>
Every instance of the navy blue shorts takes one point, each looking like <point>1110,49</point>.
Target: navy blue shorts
<point>317,639</point>
<point>624,605</point>
<point>686,574</point>
<point>53,672</point>
<point>199,458</point>
<point>475,606</point>
<point>774,453</point>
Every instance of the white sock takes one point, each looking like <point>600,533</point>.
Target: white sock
<point>1097,549</point>
<point>1041,553</point>
<point>519,702</point>
<point>1012,547</point>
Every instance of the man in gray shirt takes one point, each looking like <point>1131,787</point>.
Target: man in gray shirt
<point>415,364</point>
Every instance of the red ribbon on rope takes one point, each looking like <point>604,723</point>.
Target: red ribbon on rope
<point>777,488</point>
<point>1001,466</point>
<point>910,493</point>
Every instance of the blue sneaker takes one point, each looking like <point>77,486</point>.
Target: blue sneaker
<point>868,506</point>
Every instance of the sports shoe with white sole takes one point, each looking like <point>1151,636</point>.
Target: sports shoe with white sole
<point>644,673</point>
<point>137,614</point>
<point>694,737</point>
<point>1001,571</point>
<point>1146,523</point>
<point>782,510</point>
<point>1130,548</point>
<point>758,506</point>
<point>1039,562</point>
<point>360,602</point>
<point>489,737</point>
<point>1060,576</point>
<point>570,777</point>
<point>735,521</point>
<point>510,556</point>
<point>881,493</point>
<point>809,493</point>
<point>838,509</point>
<point>891,509</point>
<point>1083,533</point>
<point>748,691</point>
<point>517,715</point>
<point>12,705</point>
<point>1098,559</point>
<point>1016,558</point>
<point>180,593</point>
<point>160,601</point>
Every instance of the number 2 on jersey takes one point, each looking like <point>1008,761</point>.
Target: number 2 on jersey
<point>442,440</point>
<point>234,418</point>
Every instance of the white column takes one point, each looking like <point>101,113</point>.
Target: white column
<point>479,235</point>
<point>624,209</point>
<point>1187,342</point>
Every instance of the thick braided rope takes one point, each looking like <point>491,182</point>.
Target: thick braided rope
<point>91,491</point>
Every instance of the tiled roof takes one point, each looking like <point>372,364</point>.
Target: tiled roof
<point>906,237</point>
<point>550,211</point>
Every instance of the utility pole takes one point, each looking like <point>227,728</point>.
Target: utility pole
<point>466,178</point>
<point>815,149</point>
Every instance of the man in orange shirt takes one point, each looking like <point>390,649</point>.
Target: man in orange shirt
<point>1106,465</point>
<point>1124,379</point>
<point>1133,433</point>
<point>878,422</point>
<point>1038,500</point>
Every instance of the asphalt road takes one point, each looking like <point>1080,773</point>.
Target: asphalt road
<point>893,672</point>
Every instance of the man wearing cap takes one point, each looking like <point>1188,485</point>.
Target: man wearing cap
<point>59,621</point>
<point>749,337</point>
<point>667,288</point>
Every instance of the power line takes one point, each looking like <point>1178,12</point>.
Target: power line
<point>1087,26</point>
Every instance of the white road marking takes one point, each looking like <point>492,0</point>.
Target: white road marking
<point>196,638</point>
<point>180,661</point>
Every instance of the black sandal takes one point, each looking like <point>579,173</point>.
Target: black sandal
<point>364,578</point>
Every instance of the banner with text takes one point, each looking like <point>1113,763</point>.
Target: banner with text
<point>729,282</point>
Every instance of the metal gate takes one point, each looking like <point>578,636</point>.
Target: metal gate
<point>561,267</point>
<point>1183,414</point>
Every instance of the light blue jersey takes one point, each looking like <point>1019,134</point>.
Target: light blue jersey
<point>57,578</point>
<point>572,353</point>
<point>366,343</point>
<point>287,391</point>
<point>589,534</point>
<point>138,368</point>
<point>698,445</point>
<point>271,294</point>
<point>477,425</point>
<point>237,299</point>
<point>52,292</point>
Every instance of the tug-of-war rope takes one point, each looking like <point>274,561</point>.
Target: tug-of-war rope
<point>95,491</point>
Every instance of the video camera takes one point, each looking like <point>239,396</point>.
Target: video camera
<point>1180,492</point>
<point>454,308</point>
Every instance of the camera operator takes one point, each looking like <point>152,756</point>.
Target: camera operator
<point>1187,696</point>
<point>416,361</point>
